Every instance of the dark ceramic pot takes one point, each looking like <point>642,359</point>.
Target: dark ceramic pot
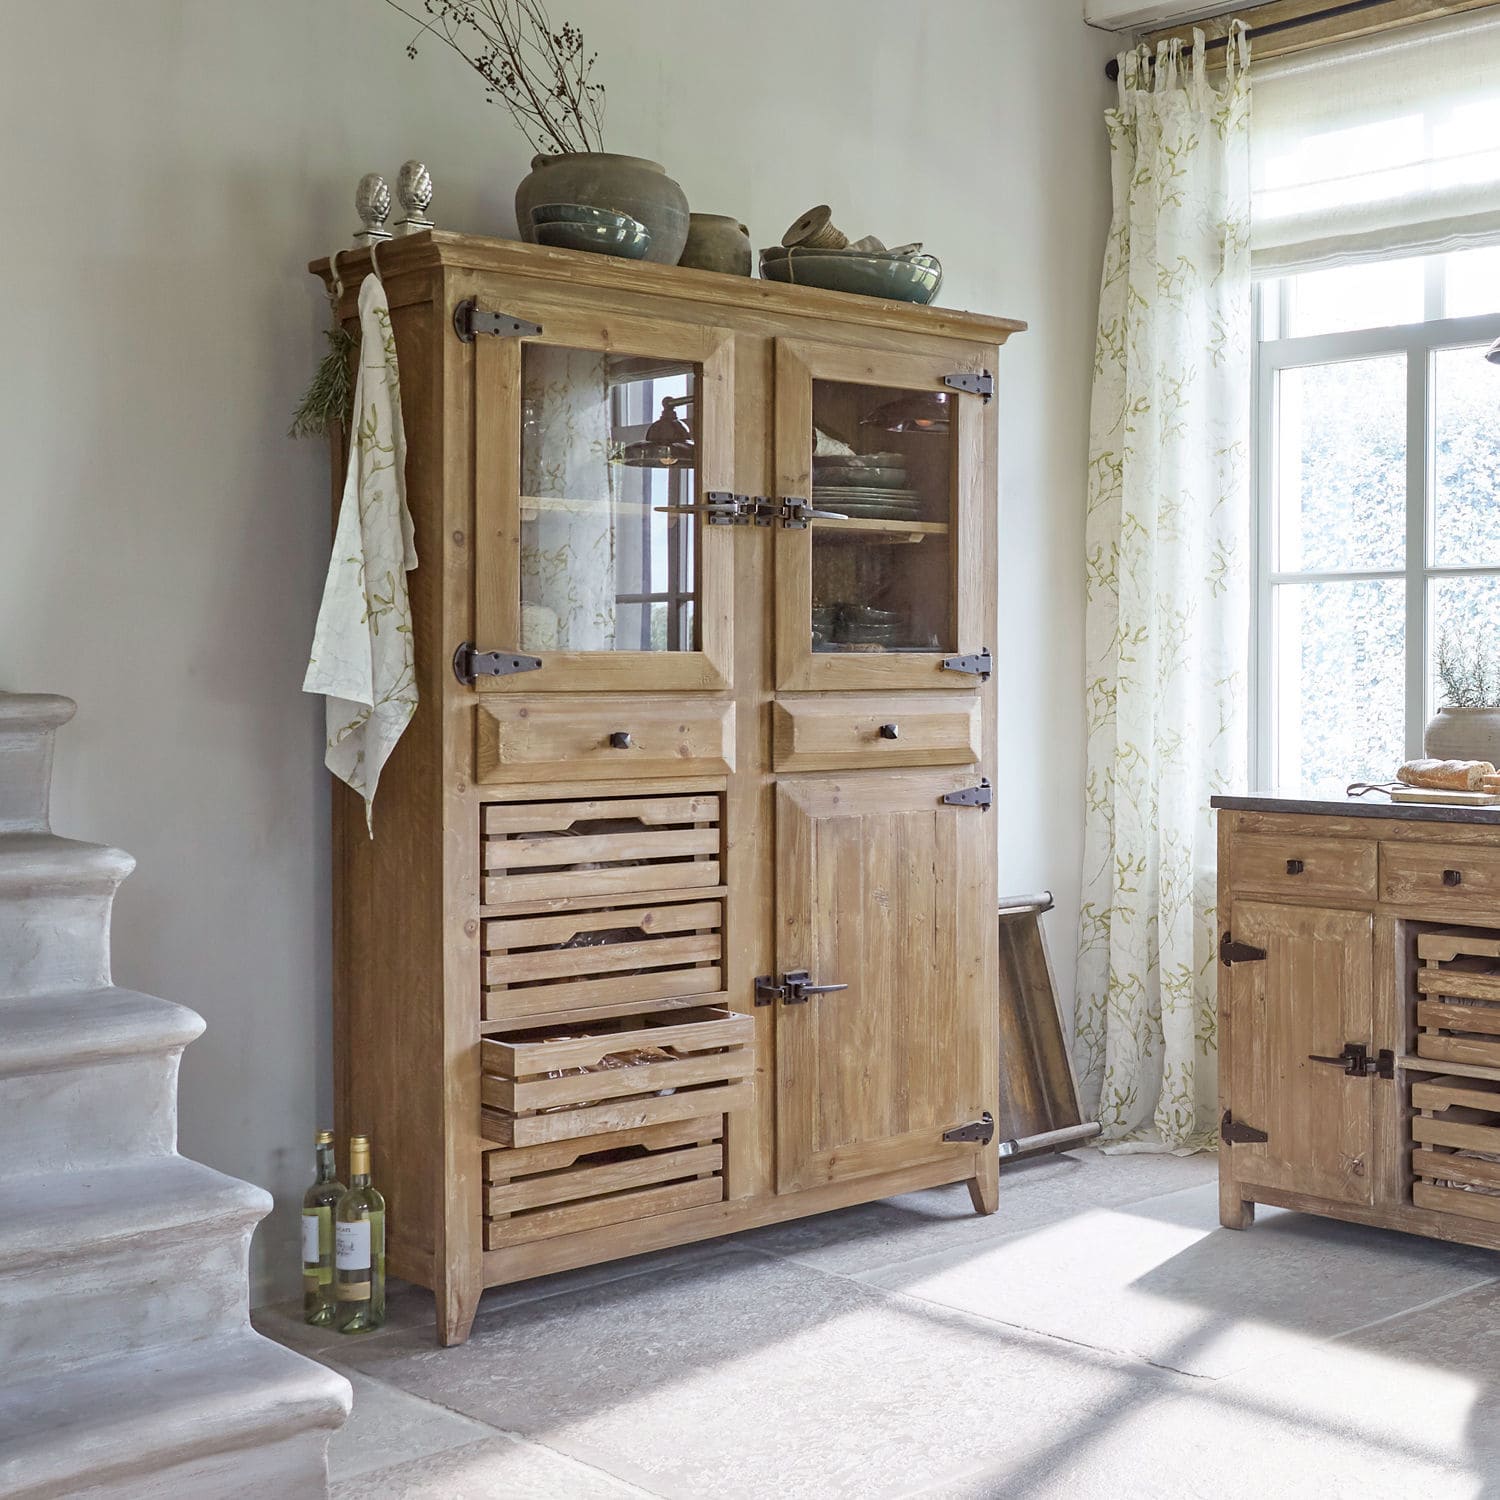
<point>627,184</point>
<point>716,242</point>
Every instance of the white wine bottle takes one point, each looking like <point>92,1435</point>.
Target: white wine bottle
<point>359,1247</point>
<point>318,1204</point>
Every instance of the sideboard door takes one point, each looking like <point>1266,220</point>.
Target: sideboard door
<point>885,889</point>
<point>602,547</point>
<point>1310,996</point>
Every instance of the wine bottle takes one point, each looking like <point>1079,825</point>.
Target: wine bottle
<point>318,1204</point>
<point>359,1246</point>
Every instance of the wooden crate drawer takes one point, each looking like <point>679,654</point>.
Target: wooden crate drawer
<point>851,732</point>
<point>1292,865</point>
<point>597,960</point>
<point>1442,877</point>
<point>534,1192</point>
<point>546,1086</point>
<point>541,853</point>
<point>1458,996</point>
<point>1455,1157</point>
<point>602,738</point>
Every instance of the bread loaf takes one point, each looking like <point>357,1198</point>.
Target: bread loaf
<point>1446,775</point>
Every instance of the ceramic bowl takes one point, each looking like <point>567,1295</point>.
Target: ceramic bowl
<point>603,233</point>
<point>915,280</point>
<point>878,478</point>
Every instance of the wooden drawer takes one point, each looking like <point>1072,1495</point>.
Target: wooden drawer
<point>1442,877</point>
<point>534,1192</point>
<point>580,739</point>
<point>1453,1136</point>
<point>544,1086</point>
<point>1292,865</point>
<point>851,732</point>
<point>601,962</point>
<point>1458,997</point>
<point>546,855</point>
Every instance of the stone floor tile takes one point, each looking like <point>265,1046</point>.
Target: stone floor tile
<point>1161,1280</point>
<point>387,1426</point>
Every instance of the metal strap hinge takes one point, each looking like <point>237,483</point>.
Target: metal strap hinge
<point>982,796</point>
<point>980,665</point>
<point>1235,1133</point>
<point>978,1132</point>
<point>469,663</point>
<point>1231,952</point>
<point>982,384</point>
<point>469,319</point>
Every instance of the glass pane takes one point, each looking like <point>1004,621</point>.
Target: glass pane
<point>1341,466</point>
<point>1466,458</point>
<point>1379,295</point>
<point>1471,286</point>
<point>1465,641</point>
<point>883,462</point>
<point>607,441</point>
<point>1339,684</point>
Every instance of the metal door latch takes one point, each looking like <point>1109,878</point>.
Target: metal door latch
<point>795,988</point>
<point>469,663</point>
<point>795,513</point>
<point>469,318</point>
<point>981,796</point>
<point>1236,1133</point>
<point>979,665</point>
<point>978,1132</point>
<point>1355,1060</point>
<point>982,384</point>
<point>1231,952</point>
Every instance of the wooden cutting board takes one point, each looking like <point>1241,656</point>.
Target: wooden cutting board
<point>1453,799</point>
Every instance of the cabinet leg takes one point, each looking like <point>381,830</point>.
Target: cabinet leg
<point>456,1307</point>
<point>984,1190</point>
<point>1235,1212</point>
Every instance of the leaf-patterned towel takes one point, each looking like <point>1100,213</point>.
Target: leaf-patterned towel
<point>362,648</point>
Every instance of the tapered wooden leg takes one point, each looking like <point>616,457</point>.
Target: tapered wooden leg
<point>984,1190</point>
<point>1235,1212</point>
<point>456,1306</point>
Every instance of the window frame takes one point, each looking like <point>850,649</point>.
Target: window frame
<point>1420,343</point>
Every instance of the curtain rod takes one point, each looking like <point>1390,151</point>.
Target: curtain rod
<point>1220,44</point>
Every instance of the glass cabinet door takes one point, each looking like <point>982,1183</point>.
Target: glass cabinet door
<point>597,444</point>
<point>882,586</point>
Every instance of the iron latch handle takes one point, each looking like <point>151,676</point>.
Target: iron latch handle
<point>1356,1061</point>
<point>796,513</point>
<point>798,988</point>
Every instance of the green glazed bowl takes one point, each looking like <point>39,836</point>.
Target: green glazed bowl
<point>900,280</point>
<point>606,234</point>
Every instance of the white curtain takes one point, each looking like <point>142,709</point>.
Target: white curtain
<point>1380,148</point>
<point>1168,592</point>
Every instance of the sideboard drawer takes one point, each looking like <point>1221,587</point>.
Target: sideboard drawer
<point>1452,878</point>
<point>851,732</point>
<point>601,737</point>
<point>1291,864</point>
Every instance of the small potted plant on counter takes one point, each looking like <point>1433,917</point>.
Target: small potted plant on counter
<point>1467,723</point>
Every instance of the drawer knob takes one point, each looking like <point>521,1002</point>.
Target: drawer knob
<point>620,740</point>
<point>890,732</point>
<point>1295,867</point>
<point>1453,877</point>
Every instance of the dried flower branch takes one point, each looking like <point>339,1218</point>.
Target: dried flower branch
<point>1468,682</point>
<point>540,74</point>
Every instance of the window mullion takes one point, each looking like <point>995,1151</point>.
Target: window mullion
<point>1418,511</point>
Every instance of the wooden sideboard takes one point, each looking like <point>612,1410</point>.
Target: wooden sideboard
<point>680,912</point>
<point>1359,1014</point>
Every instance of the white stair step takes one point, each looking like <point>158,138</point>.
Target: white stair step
<point>40,1033</point>
<point>97,1264</point>
<point>122,1427</point>
<point>28,722</point>
<point>55,901</point>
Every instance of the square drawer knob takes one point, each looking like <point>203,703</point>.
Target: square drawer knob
<point>1295,867</point>
<point>1453,877</point>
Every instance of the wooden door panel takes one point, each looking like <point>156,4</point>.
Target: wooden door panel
<point>1311,994</point>
<point>885,889</point>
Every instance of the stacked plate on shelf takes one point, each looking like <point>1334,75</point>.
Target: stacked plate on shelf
<point>866,487</point>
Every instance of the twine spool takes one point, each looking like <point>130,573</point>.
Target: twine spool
<point>815,230</point>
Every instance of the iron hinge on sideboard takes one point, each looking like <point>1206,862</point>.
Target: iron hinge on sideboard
<point>981,796</point>
<point>1231,952</point>
<point>469,663</point>
<point>970,383</point>
<point>979,665</point>
<point>978,1132</point>
<point>469,318</point>
<point>1236,1133</point>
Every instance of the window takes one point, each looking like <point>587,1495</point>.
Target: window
<point>1377,510</point>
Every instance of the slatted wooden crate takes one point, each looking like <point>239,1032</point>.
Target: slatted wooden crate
<point>1458,996</point>
<point>1455,1157</point>
<point>602,962</point>
<point>534,1192</point>
<point>539,1087</point>
<point>542,855</point>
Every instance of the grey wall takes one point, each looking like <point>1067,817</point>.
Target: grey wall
<point>171,166</point>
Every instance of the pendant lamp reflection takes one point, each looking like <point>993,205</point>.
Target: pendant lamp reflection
<point>918,411</point>
<point>667,445</point>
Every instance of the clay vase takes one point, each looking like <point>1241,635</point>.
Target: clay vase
<point>1463,734</point>
<point>717,242</point>
<point>600,179</point>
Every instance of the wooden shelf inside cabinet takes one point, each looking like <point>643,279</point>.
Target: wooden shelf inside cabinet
<point>854,529</point>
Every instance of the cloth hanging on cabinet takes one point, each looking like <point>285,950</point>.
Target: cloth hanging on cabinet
<point>362,659</point>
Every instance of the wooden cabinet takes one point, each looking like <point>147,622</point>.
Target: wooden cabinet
<point>716,744</point>
<point>1359,1011</point>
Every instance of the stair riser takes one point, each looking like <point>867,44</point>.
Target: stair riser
<point>87,1305</point>
<point>25,779</point>
<point>89,1117</point>
<point>293,1468</point>
<point>51,942</point>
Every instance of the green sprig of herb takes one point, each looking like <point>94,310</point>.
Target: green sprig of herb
<point>330,396</point>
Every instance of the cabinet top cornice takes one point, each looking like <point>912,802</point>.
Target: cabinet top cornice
<point>468,252</point>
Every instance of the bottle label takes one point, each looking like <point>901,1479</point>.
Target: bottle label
<point>360,1256</point>
<point>317,1242</point>
<point>353,1246</point>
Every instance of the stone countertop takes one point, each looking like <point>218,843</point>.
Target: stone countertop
<point>1373,806</point>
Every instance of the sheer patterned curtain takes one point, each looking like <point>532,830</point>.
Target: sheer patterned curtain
<point>1168,556</point>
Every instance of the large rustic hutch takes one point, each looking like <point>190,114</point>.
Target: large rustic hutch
<point>679,916</point>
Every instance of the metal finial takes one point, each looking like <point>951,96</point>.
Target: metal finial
<point>372,201</point>
<point>414,189</point>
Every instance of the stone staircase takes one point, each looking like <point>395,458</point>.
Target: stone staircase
<point>127,1363</point>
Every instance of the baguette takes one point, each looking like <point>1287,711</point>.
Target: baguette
<point>1446,775</point>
